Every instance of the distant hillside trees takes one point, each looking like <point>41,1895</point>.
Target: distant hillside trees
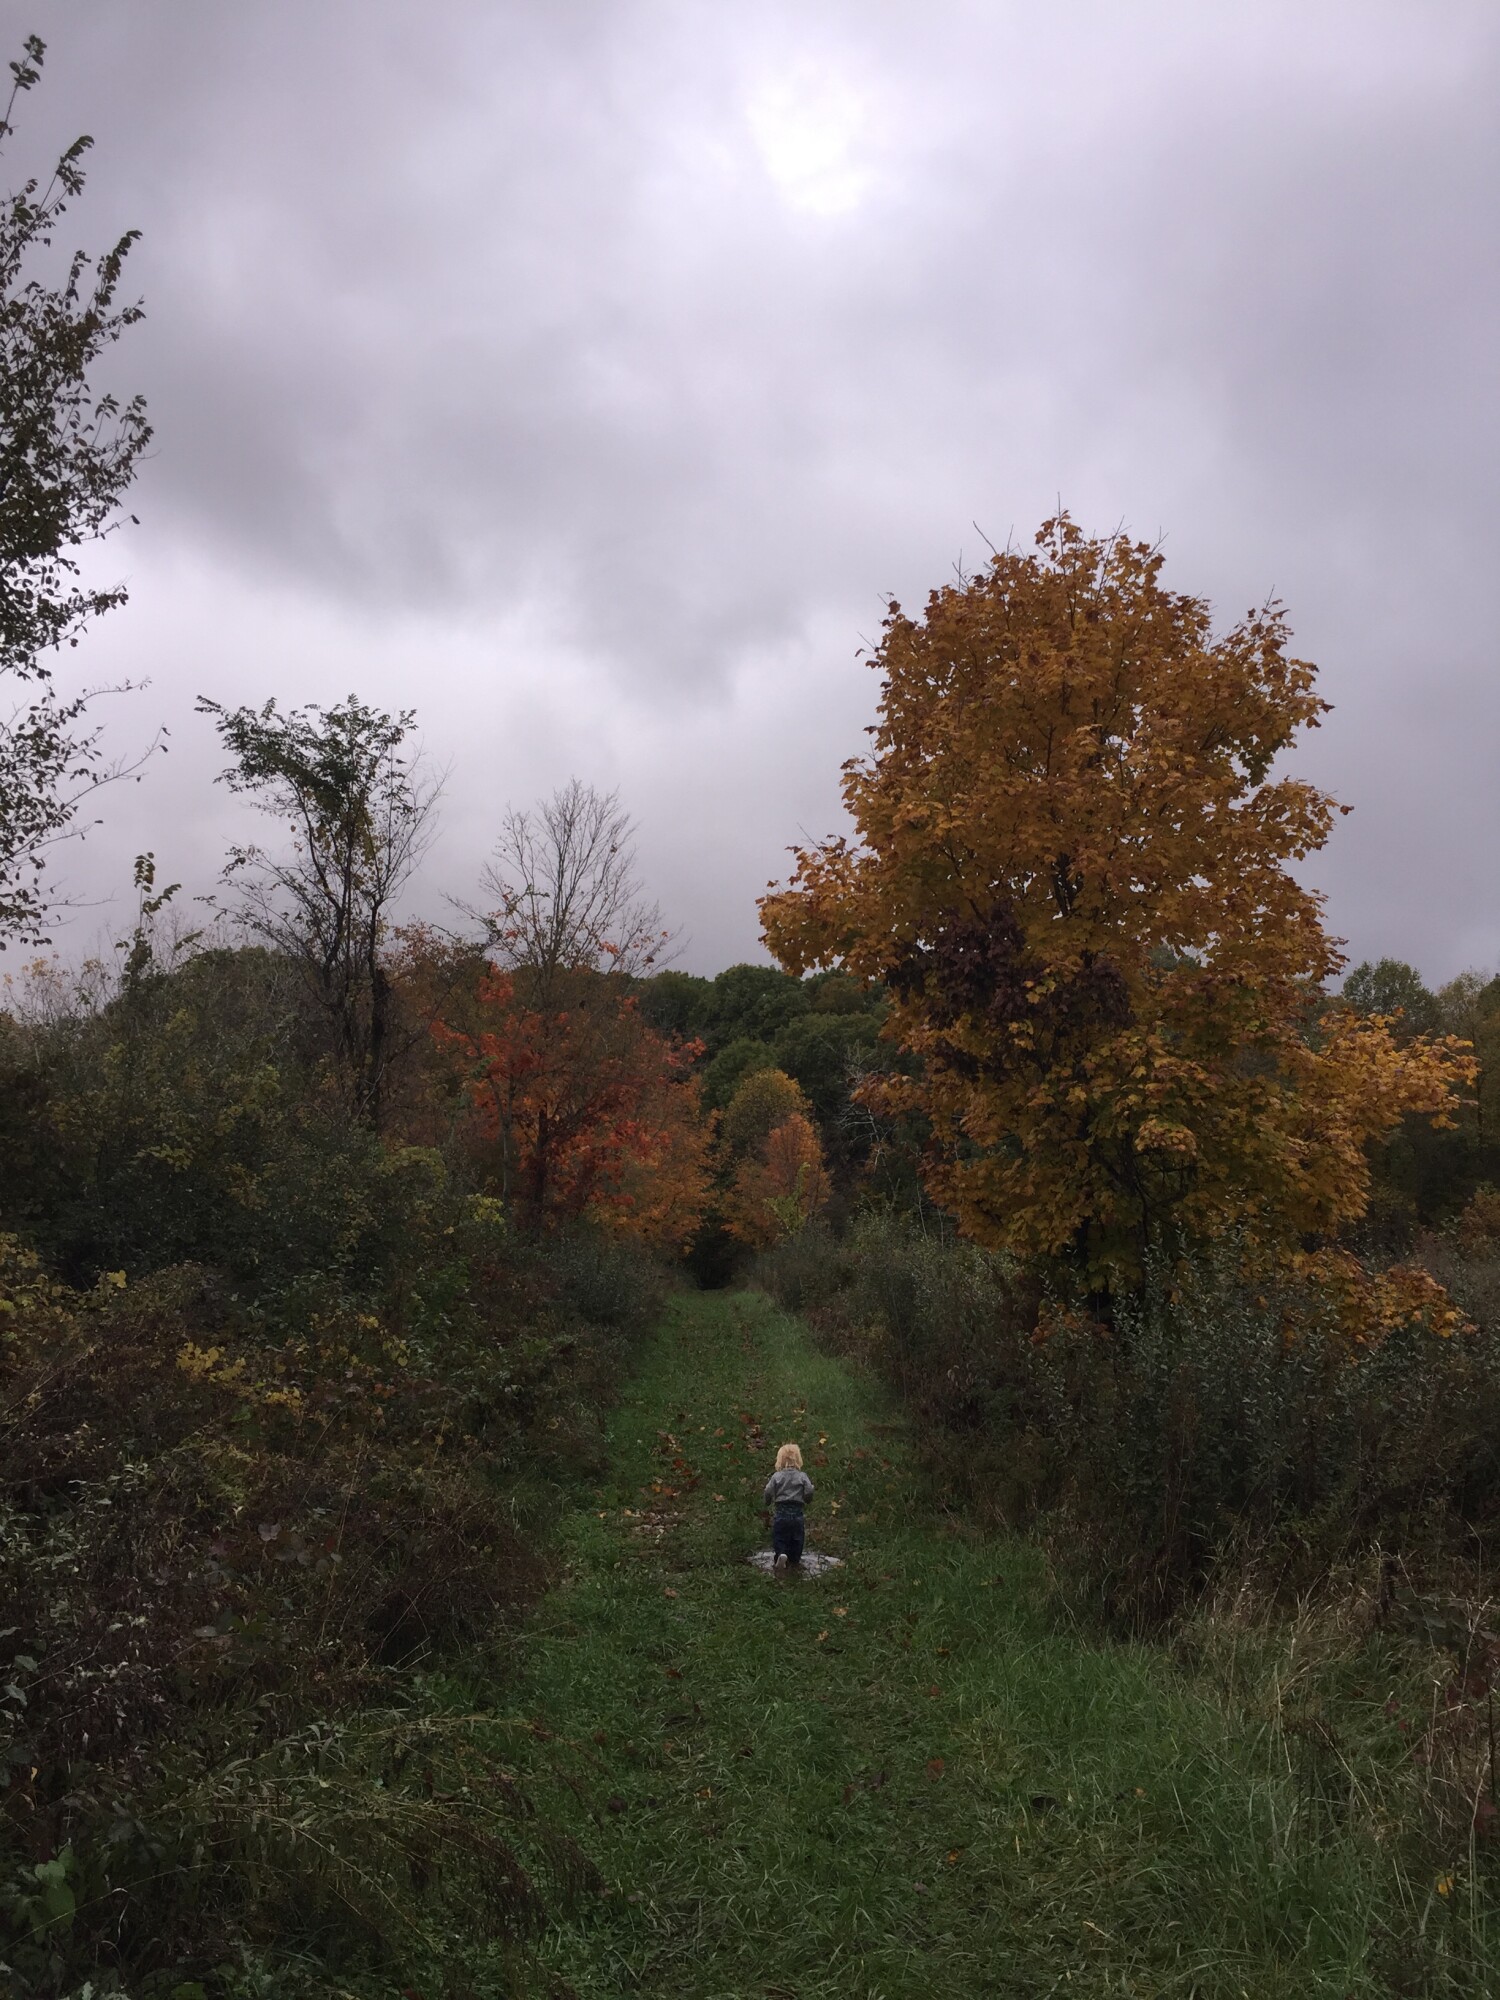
<point>823,1032</point>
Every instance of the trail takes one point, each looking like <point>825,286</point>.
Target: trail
<point>906,1777</point>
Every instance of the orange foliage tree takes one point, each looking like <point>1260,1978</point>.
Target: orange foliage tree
<point>777,1178</point>
<point>1071,872</point>
<point>585,1110</point>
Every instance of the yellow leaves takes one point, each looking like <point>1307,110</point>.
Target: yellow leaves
<point>211,1365</point>
<point>1073,872</point>
<point>1160,1135</point>
<point>207,1364</point>
<point>1368,1306</point>
<point>1479,1225</point>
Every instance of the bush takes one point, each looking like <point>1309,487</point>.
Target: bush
<point>235,1535</point>
<point>1209,1416</point>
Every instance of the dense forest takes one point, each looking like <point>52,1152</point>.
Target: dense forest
<point>328,1235</point>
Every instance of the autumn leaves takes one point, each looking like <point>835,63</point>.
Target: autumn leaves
<point>1072,870</point>
<point>578,1108</point>
<point>775,1181</point>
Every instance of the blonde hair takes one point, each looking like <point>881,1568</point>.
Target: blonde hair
<point>789,1454</point>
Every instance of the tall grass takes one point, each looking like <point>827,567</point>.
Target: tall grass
<point>916,1775</point>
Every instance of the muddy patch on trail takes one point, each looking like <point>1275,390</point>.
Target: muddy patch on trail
<point>812,1563</point>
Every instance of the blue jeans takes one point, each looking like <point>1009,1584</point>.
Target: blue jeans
<point>788,1532</point>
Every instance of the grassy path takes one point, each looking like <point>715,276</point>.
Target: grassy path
<point>903,1778</point>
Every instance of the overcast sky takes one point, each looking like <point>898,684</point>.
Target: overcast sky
<point>586,376</point>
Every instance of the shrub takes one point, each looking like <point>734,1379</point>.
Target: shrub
<point>234,1534</point>
<point>1209,1416</point>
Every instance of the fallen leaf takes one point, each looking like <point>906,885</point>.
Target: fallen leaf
<point>674,1673</point>
<point>934,1693</point>
<point>821,1637</point>
<point>669,1593</point>
<point>935,1767</point>
<point>841,1611</point>
<point>953,1854</point>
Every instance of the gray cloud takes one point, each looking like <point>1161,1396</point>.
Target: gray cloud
<point>584,375</point>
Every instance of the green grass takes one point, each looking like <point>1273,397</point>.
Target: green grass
<point>910,1777</point>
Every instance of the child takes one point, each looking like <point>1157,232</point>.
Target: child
<point>788,1489</point>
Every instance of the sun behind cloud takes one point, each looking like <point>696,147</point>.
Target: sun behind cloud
<point>812,129</point>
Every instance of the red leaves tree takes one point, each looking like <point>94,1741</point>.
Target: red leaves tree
<point>583,1110</point>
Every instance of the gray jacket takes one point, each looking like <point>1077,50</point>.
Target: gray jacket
<point>789,1490</point>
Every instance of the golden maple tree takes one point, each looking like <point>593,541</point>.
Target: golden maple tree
<point>1072,872</point>
<point>776,1190</point>
<point>774,1176</point>
<point>766,1099</point>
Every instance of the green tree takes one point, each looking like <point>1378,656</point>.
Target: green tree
<point>725,1072</point>
<point>1390,986</point>
<point>673,1002</point>
<point>838,993</point>
<point>68,452</point>
<point>824,1052</point>
<point>1470,1006</point>
<point>751,1002</point>
<point>360,812</point>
